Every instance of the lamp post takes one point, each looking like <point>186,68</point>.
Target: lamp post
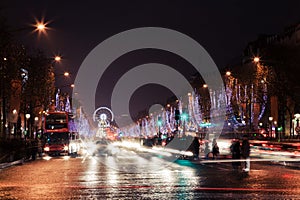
<point>3,95</point>
<point>14,121</point>
<point>27,129</point>
<point>276,132</point>
<point>36,120</point>
<point>270,130</point>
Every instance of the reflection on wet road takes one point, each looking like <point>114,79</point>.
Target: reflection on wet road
<point>102,177</point>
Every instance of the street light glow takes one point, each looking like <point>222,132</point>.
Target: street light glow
<point>41,26</point>
<point>66,74</point>
<point>27,116</point>
<point>57,58</point>
<point>228,73</point>
<point>256,59</point>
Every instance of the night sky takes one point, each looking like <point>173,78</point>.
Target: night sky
<point>223,28</point>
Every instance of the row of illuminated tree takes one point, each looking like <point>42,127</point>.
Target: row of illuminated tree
<point>27,85</point>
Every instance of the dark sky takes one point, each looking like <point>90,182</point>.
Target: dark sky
<point>223,28</point>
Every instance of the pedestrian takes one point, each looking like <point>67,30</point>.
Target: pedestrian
<point>236,153</point>
<point>245,150</point>
<point>215,149</point>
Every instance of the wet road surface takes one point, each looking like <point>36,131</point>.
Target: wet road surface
<point>100,177</point>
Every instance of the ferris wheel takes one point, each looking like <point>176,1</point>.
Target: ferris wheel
<point>103,114</point>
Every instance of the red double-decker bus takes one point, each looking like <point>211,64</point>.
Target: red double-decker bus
<point>56,133</point>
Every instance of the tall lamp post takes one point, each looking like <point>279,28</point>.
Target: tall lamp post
<point>27,127</point>
<point>36,120</point>
<point>270,130</point>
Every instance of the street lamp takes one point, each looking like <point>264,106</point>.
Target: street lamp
<point>57,58</point>
<point>228,73</point>
<point>66,74</point>
<point>270,120</point>
<point>256,59</point>
<point>27,116</point>
<point>276,131</point>
<point>14,120</point>
<point>36,119</point>
<point>41,26</point>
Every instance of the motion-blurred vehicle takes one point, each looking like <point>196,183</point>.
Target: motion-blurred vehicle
<point>105,148</point>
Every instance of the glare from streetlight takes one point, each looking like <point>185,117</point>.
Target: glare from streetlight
<point>256,59</point>
<point>228,73</point>
<point>66,74</point>
<point>72,85</point>
<point>27,116</point>
<point>205,85</point>
<point>41,26</point>
<point>57,58</point>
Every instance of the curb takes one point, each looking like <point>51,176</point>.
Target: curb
<point>5,165</point>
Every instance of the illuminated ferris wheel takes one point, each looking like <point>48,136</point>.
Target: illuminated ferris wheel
<point>104,116</point>
<point>103,113</point>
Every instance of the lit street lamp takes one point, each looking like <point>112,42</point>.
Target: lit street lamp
<point>256,59</point>
<point>66,74</point>
<point>270,120</point>
<point>36,120</point>
<point>228,73</point>
<point>40,27</point>
<point>27,116</point>
<point>57,58</point>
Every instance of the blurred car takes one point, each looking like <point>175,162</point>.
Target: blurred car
<point>105,148</point>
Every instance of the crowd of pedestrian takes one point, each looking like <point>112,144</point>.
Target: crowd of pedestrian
<point>240,152</point>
